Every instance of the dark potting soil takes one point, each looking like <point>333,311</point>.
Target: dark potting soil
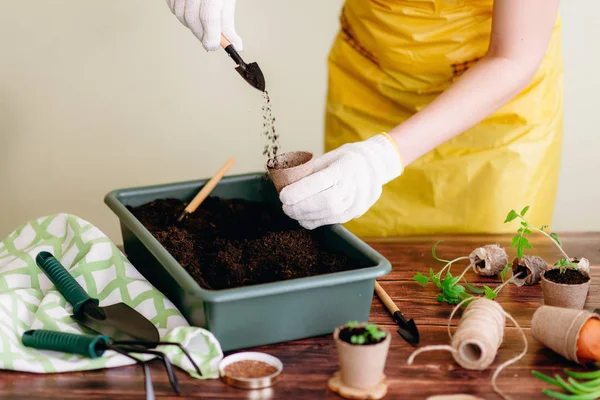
<point>233,243</point>
<point>569,277</point>
<point>347,333</point>
<point>522,271</point>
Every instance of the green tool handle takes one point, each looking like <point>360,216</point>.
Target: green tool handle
<point>64,282</point>
<point>85,345</point>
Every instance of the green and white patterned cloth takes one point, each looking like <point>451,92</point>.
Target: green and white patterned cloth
<point>29,300</point>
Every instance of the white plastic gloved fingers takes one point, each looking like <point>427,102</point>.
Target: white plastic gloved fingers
<point>347,183</point>
<point>207,19</point>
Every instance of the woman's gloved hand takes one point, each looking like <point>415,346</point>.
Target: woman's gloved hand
<point>207,19</point>
<point>346,183</point>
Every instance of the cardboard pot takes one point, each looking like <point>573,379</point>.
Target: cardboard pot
<point>533,266</point>
<point>361,366</point>
<point>563,295</point>
<point>558,329</point>
<point>288,168</point>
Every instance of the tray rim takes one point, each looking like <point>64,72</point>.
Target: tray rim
<point>191,287</point>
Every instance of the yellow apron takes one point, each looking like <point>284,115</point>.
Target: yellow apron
<point>390,59</point>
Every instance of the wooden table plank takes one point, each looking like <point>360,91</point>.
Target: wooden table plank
<point>412,255</point>
<point>309,363</point>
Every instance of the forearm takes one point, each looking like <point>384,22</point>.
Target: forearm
<point>521,31</point>
<point>482,90</point>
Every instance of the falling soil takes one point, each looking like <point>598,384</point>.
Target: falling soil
<point>347,333</point>
<point>272,138</point>
<point>232,243</point>
<point>569,277</point>
<point>249,369</point>
<point>276,163</point>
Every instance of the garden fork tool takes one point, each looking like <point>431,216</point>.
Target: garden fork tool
<point>408,329</point>
<point>250,72</point>
<point>117,321</point>
<point>95,346</point>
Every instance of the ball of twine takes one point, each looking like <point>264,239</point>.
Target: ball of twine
<point>478,337</point>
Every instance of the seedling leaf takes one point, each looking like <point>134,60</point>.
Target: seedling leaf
<point>556,238</point>
<point>524,211</point>
<point>489,293</point>
<point>422,279</point>
<point>475,289</point>
<point>512,215</point>
<point>505,271</point>
<point>515,240</point>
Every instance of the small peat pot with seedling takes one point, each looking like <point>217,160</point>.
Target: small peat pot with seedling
<point>566,283</point>
<point>362,351</point>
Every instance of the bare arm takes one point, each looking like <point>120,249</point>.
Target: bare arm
<point>521,31</point>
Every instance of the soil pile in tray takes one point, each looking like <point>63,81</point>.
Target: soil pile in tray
<point>233,243</point>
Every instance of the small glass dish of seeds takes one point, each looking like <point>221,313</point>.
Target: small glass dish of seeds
<point>250,370</point>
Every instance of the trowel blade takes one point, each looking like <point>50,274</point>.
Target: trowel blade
<point>408,329</point>
<point>253,75</point>
<point>410,332</point>
<point>120,322</point>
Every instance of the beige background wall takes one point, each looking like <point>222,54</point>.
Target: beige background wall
<point>98,95</point>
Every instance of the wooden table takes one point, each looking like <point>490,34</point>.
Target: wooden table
<point>309,363</point>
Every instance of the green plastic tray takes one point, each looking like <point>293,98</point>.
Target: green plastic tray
<point>254,315</point>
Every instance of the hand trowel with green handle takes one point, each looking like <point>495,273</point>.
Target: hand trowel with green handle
<point>117,321</point>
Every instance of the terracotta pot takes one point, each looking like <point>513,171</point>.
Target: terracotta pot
<point>361,366</point>
<point>558,329</point>
<point>563,295</point>
<point>288,168</point>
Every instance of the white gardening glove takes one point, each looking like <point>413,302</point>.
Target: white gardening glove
<point>346,183</point>
<point>207,19</point>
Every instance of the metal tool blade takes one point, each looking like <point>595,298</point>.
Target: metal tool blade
<point>408,329</point>
<point>118,321</point>
<point>253,75</point>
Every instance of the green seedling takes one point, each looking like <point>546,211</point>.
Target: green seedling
<point>505,271</point>
<point>372,332</point>
<point>451,291</point>
<point>521,242</point>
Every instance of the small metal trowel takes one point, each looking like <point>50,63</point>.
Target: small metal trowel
<point>408,329</point>
<point>250,72</point>
<point>117,321</point>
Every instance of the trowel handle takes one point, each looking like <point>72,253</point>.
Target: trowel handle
<point>386,299</point>
<point>85,345</point>
<point>64,282</point>
<point>225,44</point>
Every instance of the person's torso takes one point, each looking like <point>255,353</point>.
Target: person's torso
<point>425,43</point>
